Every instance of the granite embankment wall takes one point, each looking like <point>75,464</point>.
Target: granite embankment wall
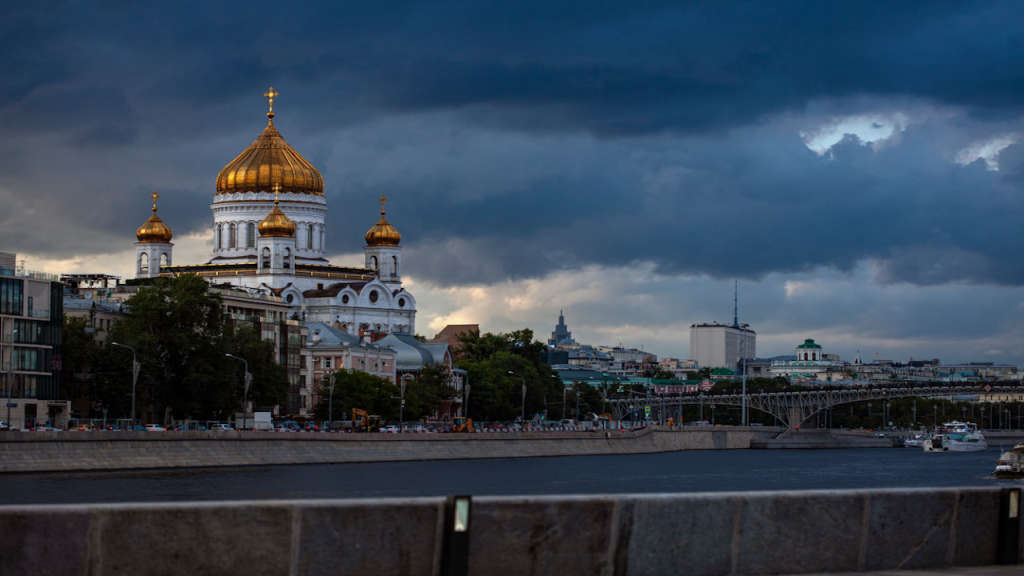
<point>66,451</point>
<point>694,534</point>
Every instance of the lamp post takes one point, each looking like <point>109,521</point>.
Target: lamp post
<point>135,376</point>
<point>245,387</point>
<point>330,400</point>
<point>523,378</point>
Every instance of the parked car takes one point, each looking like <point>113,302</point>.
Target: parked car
<point>222,427</point>
<point>390,429</point>
<point>154,428</point>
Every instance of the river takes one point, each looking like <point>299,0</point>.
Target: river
<point>694,471</point>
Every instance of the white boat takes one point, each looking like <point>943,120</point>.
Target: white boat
<point>916,442</point>
<point>1011,463</point>
<point>956,437</point>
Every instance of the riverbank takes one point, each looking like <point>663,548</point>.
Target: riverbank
<point>78,451</point>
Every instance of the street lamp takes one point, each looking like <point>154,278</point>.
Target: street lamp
<point>135,376</point>
<point>523,378</point>
<point>245,387</point>
<point>330,401</point>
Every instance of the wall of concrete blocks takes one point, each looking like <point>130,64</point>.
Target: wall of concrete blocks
<point>67,451</point>
<point>695,534</point>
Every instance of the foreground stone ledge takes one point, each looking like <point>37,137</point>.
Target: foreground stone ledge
<point>700,533</point>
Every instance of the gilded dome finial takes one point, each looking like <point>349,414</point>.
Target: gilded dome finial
<point>154,230</point>
<point>270,94</point>
<point>383,233</point>
<point>276,224</point>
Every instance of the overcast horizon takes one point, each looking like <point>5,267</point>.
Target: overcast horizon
<point>856,166</point>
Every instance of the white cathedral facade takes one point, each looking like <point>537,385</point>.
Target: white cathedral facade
<point>269,226</point>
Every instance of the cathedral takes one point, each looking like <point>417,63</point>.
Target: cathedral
<point>269,234</point>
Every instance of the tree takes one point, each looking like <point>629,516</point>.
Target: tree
<point>355,389</point>
<point>498,365</point>
<point>178,331</point>
<point>430,389</point>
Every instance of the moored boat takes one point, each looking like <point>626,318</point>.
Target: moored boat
<point>1011,463</point>
<point>956,437</point>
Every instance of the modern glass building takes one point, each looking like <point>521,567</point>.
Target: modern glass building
<point>31,314</point>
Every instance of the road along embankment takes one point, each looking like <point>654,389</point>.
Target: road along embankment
<point>695,534</point>
<point>67,451</point>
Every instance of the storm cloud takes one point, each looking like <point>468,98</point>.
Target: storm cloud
<point>532,139</point>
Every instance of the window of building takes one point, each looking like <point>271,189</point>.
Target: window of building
<point>250,235</point>
<point>344,298</point>
<point>373,296</point>
<point>266,257</point>
<point>309,237</point>
<point>218,239</point>
<point>401,302</point>
<point>287,258</point>
<point>144,263</point>
<point>394,262</point>
<point>165,260</point>
<point>373,262</point>
<point>232,236</point>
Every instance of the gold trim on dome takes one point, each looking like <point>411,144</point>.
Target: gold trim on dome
<point>269,160</point>
<point>383,233</point>
<point>153,230</point>
<point>276,224</point>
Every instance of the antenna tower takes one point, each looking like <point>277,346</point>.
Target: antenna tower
<point>736,305</point>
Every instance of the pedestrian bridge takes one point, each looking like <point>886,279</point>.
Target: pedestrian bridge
<point>793,408</point>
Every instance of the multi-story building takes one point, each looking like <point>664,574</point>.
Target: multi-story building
<point>326,350</point>
<point>31,314</point>
<point>714,345</point>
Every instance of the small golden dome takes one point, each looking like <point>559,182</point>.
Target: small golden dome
<point>267,161</point>
<point>154,230</point>
<point>276,224</point>
<point>383,233</point>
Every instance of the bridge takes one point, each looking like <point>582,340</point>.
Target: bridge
<point>793,408</point>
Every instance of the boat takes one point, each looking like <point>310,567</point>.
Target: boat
<point>916,442</point>
<point>956,437</point>
<point>1011,463</point>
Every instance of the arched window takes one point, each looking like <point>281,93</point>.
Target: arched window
<point>373,262</point>
<point>394,262</point>
<point>321,238</point>
<point>165,260</point>
<point>250,235</point>
<point>218,239</point>
<point>309,237</point>
<point>144,263</point>
<point>232,236</point>
<point>287,258</point>
<point>266,257</point>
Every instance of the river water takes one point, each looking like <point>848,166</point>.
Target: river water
<point>696,471</point>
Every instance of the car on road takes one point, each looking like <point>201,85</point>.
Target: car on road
<point>154,428</point>
<point>222,427</point>
<point>390,429</point>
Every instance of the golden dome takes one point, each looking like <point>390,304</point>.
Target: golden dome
<point>154,230</point>
<point>276,224</point>
<point>383,233</point>
<point>267,161</point>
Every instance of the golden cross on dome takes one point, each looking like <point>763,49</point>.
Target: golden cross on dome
<point>277,189</point>
<point>383,201</point>
<point>154,195</point>
<point>270,94</point>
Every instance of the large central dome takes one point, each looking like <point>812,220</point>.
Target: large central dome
<point>267,161</point>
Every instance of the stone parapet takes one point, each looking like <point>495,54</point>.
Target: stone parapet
<point>68,451</point>
<point>695,534</point>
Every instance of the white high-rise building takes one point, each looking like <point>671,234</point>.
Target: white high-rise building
<point>717,345</point>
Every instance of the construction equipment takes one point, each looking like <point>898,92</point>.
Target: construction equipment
<point>363,421</point>
<point>463,425</point>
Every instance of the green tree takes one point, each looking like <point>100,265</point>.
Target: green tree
<point>498,366</point>
<point>356,389</point>
<point>425,395</point>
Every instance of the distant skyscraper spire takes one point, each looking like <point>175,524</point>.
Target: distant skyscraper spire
<point>736,305</point>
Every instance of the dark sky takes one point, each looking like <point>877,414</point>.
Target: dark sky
<point>856,165</point>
